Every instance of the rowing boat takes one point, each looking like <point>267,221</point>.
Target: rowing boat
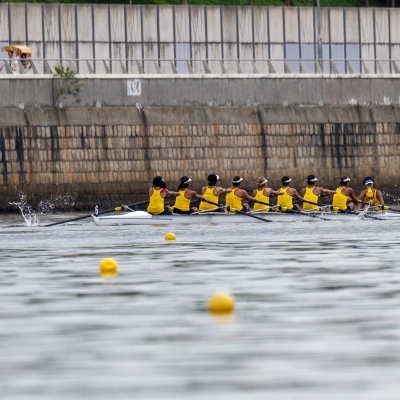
<point>144,218</point>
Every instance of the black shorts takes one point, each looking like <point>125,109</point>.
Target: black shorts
<point>165,212</point>
<point>178,211</point>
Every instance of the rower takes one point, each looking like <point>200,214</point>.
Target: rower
<point>157,195</point>
<point>211,192</point>
<point>185,195</point>
<point>236,196</point>
<point>370,195</point>
<point>286,199</point>
<point>312,193</point>
<point>262,193</point>
<point>343,196</point>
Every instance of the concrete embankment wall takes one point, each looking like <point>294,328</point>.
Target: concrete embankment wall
<point>204,90</point>
<point>110,155</point>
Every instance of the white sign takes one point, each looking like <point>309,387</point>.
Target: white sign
<point>134,87</point>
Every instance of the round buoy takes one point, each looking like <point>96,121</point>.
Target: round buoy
<point>108,268</point>
<point>221,303</point>
<point>170,236</point>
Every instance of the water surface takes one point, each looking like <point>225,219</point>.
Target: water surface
<point>317,311</point>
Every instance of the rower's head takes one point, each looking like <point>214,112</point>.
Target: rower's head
<point>311,180</point>
<point>368,182</point>
<point>344,181</point>
<point>184,184</point>
<point>212,179</point>
<point>286,180</point>
<point>237,181</point>
<point>158,181</point>
<point>262,182</point>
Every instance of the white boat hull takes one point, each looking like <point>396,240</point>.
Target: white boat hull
<point>143,218</point>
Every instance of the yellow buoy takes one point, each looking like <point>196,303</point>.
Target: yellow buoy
<point>108,268</point>
<point>170,236</point>
<point>221,303</point>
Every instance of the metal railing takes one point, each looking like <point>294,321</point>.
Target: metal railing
<point>198,66</point>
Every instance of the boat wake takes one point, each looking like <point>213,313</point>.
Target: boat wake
<point>56,203</point>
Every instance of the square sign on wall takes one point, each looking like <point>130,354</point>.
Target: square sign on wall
<point>134,87</point>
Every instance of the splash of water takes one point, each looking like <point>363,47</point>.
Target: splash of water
<point>391,198</point>
<point>27,213</point>
<point>56,203</point>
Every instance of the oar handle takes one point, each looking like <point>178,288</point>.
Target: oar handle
<point>231,209</point>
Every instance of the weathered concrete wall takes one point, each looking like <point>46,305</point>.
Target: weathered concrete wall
<point>239,90</point>
<point>110,155</point>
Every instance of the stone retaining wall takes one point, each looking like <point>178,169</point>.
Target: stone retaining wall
<point>108,156</point>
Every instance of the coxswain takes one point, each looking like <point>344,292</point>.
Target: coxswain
<point>157,195</point>
<point>185,195</point>
<point>236,196</point>
<point>285,201</point>
<point>262,194</point>
<point>312,193</point>
<point>211,192</point>
<point>370,195</point>
<point>344,196</point>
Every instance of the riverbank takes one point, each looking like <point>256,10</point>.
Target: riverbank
<point>110,155</point>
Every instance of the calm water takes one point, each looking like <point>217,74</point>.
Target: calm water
<point>317,311</point>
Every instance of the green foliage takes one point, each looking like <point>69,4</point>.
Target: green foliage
<point>66,83</point>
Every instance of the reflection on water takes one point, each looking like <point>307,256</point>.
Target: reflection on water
<point>317,311</point>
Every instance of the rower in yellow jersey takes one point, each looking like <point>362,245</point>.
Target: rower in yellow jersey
<point>211,192</point>
<point>236,196</point>
<point>312,193</point>
<point>370,195</point>
<point>157,195</point>
<point>286,199</point>
<point>262,194</point>
<point>344,196</point>
<point>182,202</point>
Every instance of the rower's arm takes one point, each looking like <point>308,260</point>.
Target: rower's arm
<point>380,197</point>
<point>353,197</point>
<point>170,193</point>
<point>361,195</point>
<point>193,194</point>
<point>327,191</point>
<point>297,196</point>
<point>245,196</point>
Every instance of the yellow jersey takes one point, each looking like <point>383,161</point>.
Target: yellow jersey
<point>261,197</point>
<point>182,202</point>
<point>156,204</point>
<point>370,197</point>
<point>285,200</point>
<point>210,196</point>
<point>309,195</point>
<point>234,201</point>
<point>340,199</point>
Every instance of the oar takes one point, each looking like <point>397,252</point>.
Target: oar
<point>356,213</point>
<point>231,209</point>
<point>336,209</point>
<point>386,208</point>
<point>296,212</point>
<point>119,208</point>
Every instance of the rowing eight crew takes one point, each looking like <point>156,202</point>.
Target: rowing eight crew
<point>343,197</point>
